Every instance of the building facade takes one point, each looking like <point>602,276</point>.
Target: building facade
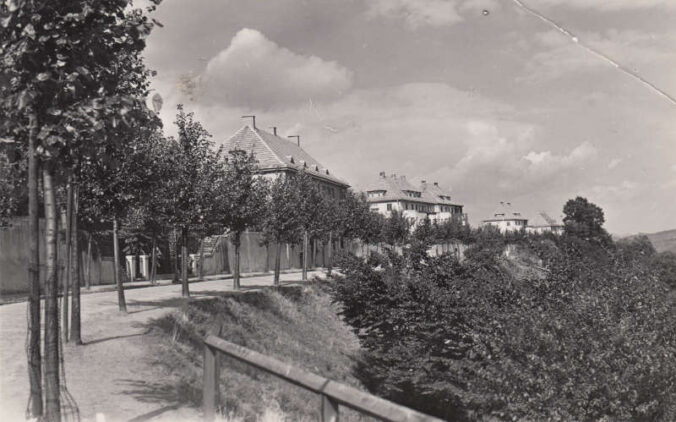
<point>543,223</point>
<point>427,201</point>
<point>506,219</point>
<point>277,157</point>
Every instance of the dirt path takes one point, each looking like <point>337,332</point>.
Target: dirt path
<point>109,375</point>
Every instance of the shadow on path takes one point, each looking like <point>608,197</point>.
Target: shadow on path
<point>101,340</point>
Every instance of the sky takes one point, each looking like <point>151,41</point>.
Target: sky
<point>478,95</point>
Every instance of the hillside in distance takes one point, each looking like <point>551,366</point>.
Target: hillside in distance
<point>662,241</point>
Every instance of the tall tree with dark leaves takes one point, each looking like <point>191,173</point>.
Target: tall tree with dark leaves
<point>53,53</point>
<point>282,220</point>
<point>309,211</point>
<point>241,200</point>
<point>197,170</point>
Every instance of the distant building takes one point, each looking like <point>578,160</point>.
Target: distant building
<point>278,156</point>
<point>506,219</point>
<point>427,201</point>
<point>543,223</point>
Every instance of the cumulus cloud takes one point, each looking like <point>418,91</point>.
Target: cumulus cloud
<point>254,71</point>
<point>434,13</point>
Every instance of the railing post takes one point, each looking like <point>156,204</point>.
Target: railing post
<point>329,409</point>
<point>211,375</point>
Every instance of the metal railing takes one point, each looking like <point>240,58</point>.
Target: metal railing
<point>333,394</point>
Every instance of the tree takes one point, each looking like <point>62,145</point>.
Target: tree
<point>192,187</point>
<point>241,200</point>
<point>309,207</point>
<point>355,220</point>
<point>396,230</point>
<point>282,220</point>
<point>53,53</point>
<point>584,220</point>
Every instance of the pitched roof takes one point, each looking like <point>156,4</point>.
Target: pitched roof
<point>505,212</point>
<point>436,193</point>
<point>542,219</point>
<point>395,188</point>
<point>276,153</point>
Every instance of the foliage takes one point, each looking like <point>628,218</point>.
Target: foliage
<point>282,221</point>
<point>13,195</point>
<point>196,170</point>
<point>242,195</point>
<point>355,220</point>
<point>592,339</point>
<point>585,220</point>
<point>396,229</point>
<point>664,265</point>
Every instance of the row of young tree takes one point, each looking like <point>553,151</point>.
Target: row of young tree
<point>81,149</point>
<point>571,327</point>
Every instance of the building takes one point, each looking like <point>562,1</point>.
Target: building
<point>506,219</point>
<point>427,201</point>
<point>278,156</point>
<point>543,223</point>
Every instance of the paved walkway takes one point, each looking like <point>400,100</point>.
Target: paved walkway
<point>103,375</point>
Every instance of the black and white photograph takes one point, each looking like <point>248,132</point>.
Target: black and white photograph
<point>338,210</point>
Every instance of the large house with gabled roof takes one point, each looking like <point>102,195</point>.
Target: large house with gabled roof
<point>427,201</point>
<point>277,156</point>
<point>506,219</point>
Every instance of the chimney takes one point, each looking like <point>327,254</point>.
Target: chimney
<point>297,138</point>
<point>424,182</point>
<point>382,174</point>
<point>436,183</point>
<point>274,130</point>
<point>253,119</point>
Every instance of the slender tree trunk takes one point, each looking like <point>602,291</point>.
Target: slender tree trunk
<point>185,291</point>
<point>69,259</point>
<point>201,263</point>
<point>237,242</point>
<point>278,261</point>
<point>305,258</point>
<point>122,304</point>
<point>88,279</point>
<point>329,253</point>
<point>34,355</point>
<point>153,260</point>
<point>174,254</point>
<point>314,254</point>
<point>75,333</point>
<point>52,382</point>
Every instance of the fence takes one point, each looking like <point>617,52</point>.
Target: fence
<point>333,394</point>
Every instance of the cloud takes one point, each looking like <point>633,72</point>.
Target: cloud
<point>614,163</point>
<point>432,13</point>
<point>256,72</point>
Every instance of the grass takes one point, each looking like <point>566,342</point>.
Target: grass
<point>298,325</point>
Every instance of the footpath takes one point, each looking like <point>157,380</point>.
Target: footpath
<point>103,375</point>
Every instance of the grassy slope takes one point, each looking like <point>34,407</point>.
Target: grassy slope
<point>296,325</point>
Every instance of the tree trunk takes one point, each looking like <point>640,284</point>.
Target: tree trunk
<point>52,383</point>
<point>153,260</point>
<point>237,242</point>
<point>33,352</point>
<point>122,304</point>
<point>329,255</point>
<point>88,278</point>
<point>314,254</point>
<point>69,259</point>
<point>185,291</point>
<point>278,261</point>
<point>173,251</point>
<point>75,333</point>
<point>201,263</point>
<point>305,250</point>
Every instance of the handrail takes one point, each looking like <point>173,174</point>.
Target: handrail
<point>333,393</point>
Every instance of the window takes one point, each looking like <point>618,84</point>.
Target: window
<point>389,207</point>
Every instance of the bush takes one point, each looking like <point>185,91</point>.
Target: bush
<point>593,340</point>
